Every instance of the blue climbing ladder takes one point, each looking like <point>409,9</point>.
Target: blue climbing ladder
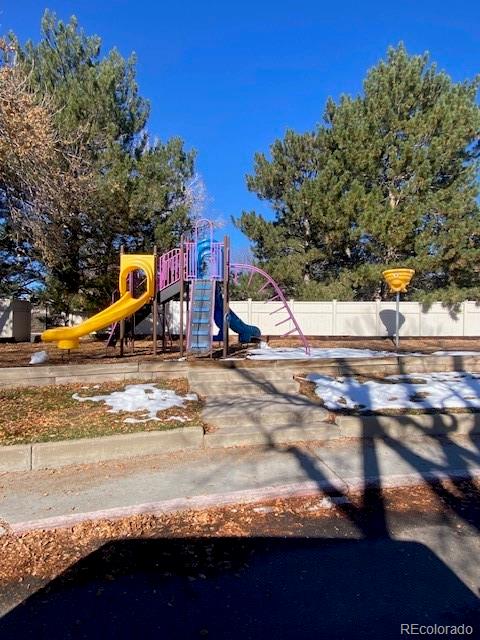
<point>202,303</point>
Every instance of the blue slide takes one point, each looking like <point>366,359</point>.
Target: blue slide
<point>246,332</point>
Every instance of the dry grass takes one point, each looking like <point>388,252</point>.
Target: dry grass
<point>45,414</point>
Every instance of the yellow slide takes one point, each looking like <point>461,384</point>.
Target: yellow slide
<point>127,305</point>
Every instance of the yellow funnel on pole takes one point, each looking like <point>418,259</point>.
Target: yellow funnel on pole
<point>398,281</point>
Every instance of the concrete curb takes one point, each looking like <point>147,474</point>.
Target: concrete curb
<point>320,432</point>
<point>52,455</point>
<point>151,370</point>
<point>409,425</point>
<point>401,427</point>
<point>16,457</point>
<point>90,373</point>
<point>307,488</point>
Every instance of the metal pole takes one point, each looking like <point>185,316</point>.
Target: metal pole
<point>164,324</point>
<point>155,301</point>
<point>122,322</point>
<point>397,320</point>
<point>182,294</point>
<point>187,317</point>
<point>134,325</point>
<point>226,306</point>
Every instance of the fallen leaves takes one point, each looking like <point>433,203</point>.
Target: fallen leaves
<point>44,554</point>
<point>38,414</point>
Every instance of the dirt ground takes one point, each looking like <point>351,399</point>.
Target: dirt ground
<point>18,354</point>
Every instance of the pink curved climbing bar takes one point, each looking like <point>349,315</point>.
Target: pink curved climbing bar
<point>279,297</point>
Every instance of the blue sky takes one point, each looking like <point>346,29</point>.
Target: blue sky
<point>231,77</point>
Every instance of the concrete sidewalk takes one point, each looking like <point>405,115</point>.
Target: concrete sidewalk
<point>213,477</point>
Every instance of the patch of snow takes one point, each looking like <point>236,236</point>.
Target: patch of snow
<point>140,397</point>
<point>39,357</point>
<point>449,390</point>
<point>144,418</point>
<point>325,503</point>
<point>328,502</point>
<point>298,353</point>
<point>264,352</point>
<point>265,509</point>
<point>179,418</point>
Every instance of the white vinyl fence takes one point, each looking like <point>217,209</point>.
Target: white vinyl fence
<point>346,318</point>
<point>365,318</point>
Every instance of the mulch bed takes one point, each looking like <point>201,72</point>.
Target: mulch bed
<point>91,351</point>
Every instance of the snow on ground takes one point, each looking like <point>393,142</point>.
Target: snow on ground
<point>264,352</point>
<point>39,357</point>
<point>140,397</point>
<point>298,353</point>
<point>407,391</point>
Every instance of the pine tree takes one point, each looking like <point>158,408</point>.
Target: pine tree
<point>390,178</point>
<point>139,193</point>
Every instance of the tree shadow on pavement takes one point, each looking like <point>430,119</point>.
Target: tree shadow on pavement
<point>246,588</point>
<point>370,516</point>
<point>325,586</point>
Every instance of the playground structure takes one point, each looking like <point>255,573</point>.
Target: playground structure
<point>198,272</point>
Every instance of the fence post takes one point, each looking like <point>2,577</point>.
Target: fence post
<point>334,317</point>
<point>249,310</point>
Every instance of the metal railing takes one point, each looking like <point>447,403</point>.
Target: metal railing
<point>169,268</point>
<point>213,255</point>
